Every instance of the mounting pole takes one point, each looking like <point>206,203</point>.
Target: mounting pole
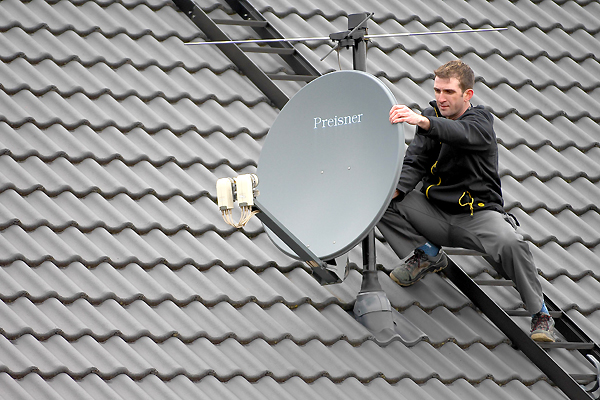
<point>358,23</point>
<point>372,307</point>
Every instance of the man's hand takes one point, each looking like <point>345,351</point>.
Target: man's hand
<point>398,196</point>
<point>401,113</point>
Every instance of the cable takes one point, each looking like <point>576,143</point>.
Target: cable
<point>246,216</point>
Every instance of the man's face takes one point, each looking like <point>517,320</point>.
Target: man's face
<point>451,100</point>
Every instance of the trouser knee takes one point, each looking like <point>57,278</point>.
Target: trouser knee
<point>511,243</point>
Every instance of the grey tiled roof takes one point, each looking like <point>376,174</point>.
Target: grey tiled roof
<point>118,277</point>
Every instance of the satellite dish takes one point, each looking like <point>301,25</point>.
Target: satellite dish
<point>331,162</point>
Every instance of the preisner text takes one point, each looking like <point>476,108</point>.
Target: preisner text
<point>337,121</point>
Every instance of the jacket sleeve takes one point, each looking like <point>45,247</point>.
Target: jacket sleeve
<point>417,162</point>
<point>472,131</point>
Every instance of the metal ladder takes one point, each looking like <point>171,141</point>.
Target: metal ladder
<point>575,386</point>
<point>253,19</point>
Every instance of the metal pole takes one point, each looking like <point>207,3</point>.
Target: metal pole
<point>372,307</point>
<point>370,282</point>
<point>358,23</point>
<point>360,55</point>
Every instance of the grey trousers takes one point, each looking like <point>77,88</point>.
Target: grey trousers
<point>414,221</point>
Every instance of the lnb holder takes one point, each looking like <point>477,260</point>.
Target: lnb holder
<point>325,272</point>
<point>243,190</point>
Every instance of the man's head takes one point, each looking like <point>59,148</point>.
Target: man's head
<point>453,88</point>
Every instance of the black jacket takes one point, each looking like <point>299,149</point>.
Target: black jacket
<point>457,161</point>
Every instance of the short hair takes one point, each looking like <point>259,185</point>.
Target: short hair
<point>459,70</point>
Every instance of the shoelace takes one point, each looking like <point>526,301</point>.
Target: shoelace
<point>414,261</point>
<point>541,321</point>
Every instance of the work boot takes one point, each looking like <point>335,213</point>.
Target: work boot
<point>417,266</point>
<point>542,328</point>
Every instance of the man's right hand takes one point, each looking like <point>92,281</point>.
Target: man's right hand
<point>402,113</point>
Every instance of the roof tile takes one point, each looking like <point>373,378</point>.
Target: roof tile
<point>272,323</point>
<point>211,326</point>
<point>20,12</point>
<point>14,360</point>
<point>92,320</point>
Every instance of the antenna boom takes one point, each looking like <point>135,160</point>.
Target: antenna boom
<point>381,35</point>
<point>300,39</point>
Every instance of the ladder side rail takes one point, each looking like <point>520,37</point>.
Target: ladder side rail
<point>233,52</point>
<point>519,338</point>
<point>565,325</point>
<point>300,65</point>
<point>571,331</point>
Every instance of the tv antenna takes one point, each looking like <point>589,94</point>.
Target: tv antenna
<point>328,169</point>
<point>346,38</point>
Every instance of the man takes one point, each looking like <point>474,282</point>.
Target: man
<point>455,156</point>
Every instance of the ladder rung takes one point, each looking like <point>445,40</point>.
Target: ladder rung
<point>494,282</point>
<point>458,251</point>
<point>290,77</point>
<point>525,313</point>
<point>241,22</point>
<point>566,345</point>
<point>584,378</point>
<point>255,49</point>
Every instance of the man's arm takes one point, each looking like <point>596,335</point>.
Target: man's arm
<point>417,159</point>
<point>473,131</point>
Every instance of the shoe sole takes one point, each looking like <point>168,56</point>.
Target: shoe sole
<point>542,337</point>
<point>419,276</point>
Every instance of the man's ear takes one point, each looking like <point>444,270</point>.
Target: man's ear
<point>468,94</point>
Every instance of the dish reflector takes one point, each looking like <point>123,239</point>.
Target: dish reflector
<point>331,162</point>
